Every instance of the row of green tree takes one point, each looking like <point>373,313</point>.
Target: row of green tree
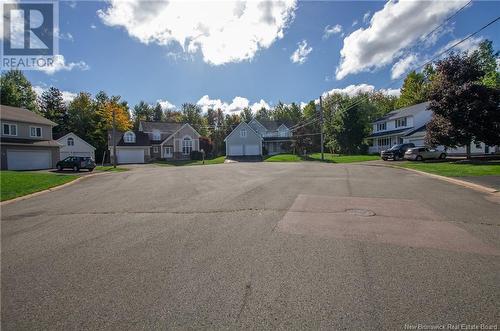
<point>463,88</point>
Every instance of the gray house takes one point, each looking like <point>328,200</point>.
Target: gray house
<point>154,141</point>
<point>26,140</point>
<point>259,137</point>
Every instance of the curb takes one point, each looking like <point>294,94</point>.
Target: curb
<point>55,188</point>
<point>473,186</point>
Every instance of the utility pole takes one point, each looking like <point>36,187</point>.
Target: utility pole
<point>321,127</point>
<point>114,139</point>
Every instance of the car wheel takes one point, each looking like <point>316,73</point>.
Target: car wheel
<point>59,168</point>
<point>385,159</point>
<point>442,156</point>
<point>76,169</point>
<point>91,169</point>
<point>419,158</point>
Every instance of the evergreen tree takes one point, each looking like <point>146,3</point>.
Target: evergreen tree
<point>52,107</point>
<point>17,91</point>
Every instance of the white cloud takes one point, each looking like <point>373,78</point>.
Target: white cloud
<point>93,26</point>
<point>468,46</point>
<point>66,95</point>
<point>354,23</point>
<point>403,66</point>
<point>235,107</point>
<point>222,31</point>
<point>366,17</point>
<point>331,30</point>
<point>353,90</point>
<point>301,53</point>
<point>166,105</point>
<point>391,30</point>
<point>60,64</point>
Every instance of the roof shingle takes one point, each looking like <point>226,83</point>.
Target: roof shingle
<point>10,113</point>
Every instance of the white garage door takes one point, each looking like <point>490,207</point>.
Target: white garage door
<point>84,154</point>
<point>417,142</point>
<point>252,150</point>
<point>235,150</point>
<point>130,155</point>
<point>28,160</point>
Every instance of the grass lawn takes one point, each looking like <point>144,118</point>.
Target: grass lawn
<point>17,183</point>
<point>330,158</point>
<point>217,160</point>
<point>110,168</point>
<point>452,169</point>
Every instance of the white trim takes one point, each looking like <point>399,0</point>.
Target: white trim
<point>164,155</point>
<point>248,125</point>
<point>182,144</point>
<point>74,135</point>
<point>128,134</point>
<point>10,124</point>
<point>36,127</point>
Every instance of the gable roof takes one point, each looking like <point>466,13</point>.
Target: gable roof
<point>74,135</point>
<point>141,139</point>
<point>9,113</point>
<point>419,129</point>
<point>272,125</point>
<point>166,127</point>
<point>407,111</point>
<point>248,126</point>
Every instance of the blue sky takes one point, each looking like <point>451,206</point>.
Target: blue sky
<point>135,50</point>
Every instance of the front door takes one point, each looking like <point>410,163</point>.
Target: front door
<point>167,152</point>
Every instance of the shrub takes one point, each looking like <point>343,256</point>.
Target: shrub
<point>196,155</point>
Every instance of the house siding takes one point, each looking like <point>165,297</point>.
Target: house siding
<point>4,148</point>
<point>252,138</point>
<point>23,130</point>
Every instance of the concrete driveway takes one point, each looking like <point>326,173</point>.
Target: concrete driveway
<point>252,245</point>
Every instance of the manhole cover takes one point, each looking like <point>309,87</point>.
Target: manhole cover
<point>360,212</point>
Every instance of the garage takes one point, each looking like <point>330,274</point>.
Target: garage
<point>417,142</point>
<point>83,154</point>
<point>252,150</point>
<point>29,159</point>
<point>130,155</point>
<point>236,150</point>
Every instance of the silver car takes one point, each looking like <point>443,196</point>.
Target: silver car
<point>424,153</point>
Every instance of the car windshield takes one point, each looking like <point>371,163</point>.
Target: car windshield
<point>395,147</point>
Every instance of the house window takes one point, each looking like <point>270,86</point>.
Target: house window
<point>401,122</point>
<point>156,135</point>
<point>129,137</point>
<point>9,129</point>
<point>35,131</point>
<point>384,141</point>
<point>187,146</point>
<point>243,133</point>
<point>70,142</point>
<point>478,145</point>
<point>381,126</point>
<point>155,149</point>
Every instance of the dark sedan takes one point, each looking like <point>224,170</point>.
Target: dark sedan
<point>396,152</point>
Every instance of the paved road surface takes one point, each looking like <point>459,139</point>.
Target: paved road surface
<point>252,245</point>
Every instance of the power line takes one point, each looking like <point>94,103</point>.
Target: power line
<point>359,101</point>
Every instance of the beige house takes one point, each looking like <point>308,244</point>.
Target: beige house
<point>26,140</point>
<point>154,141</point>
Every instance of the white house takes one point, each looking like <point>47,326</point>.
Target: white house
<point>72,145</point>
<point>408,125</point>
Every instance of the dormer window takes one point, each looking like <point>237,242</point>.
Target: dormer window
<point>129,137</point>
<point>156,135</point>
<point>381,126</point>
<point>70,142</point>
<point>401,122</point>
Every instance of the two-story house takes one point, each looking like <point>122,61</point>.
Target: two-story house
<point>26,140</point>
<point>155,140</point>
<point>259,137</point>
<point>408,125</point>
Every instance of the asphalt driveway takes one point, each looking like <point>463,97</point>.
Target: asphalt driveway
<point>252,245</point>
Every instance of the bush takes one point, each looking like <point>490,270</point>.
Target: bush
<point>196,155</point>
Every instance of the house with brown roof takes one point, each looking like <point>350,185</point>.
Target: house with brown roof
<point>155,141</point>
<point>26,140</point>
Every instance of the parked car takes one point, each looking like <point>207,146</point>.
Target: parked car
<point>396,152</point>
<point>424,153</point>
<point>76,163</point>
